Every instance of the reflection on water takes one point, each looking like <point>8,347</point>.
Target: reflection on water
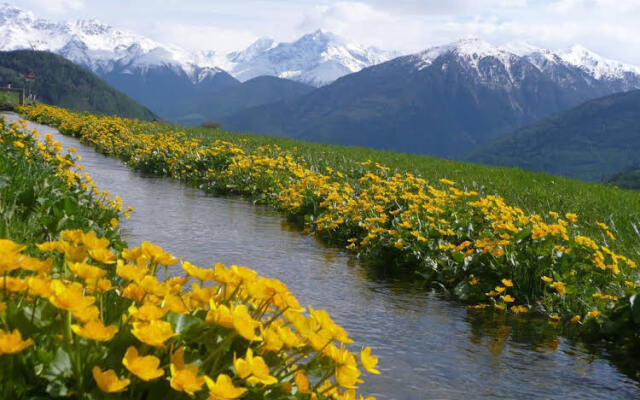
<point>429,348</point>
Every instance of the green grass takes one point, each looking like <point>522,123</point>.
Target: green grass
<point>9,98</point>
<point>36,204</point>
<point>533,192</point>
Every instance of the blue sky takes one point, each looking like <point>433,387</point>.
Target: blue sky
<point>609,27</point>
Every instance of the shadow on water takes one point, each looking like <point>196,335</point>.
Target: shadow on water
<point>429,347</point>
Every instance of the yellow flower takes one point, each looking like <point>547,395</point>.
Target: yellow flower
<point>560,287</point>
<point>144,367</point>
<point>554,317</point>
<point>114,223</point>
<point>186,379</point>
<point>201,274</point>
<point>12,343</point>
<point>222,388</point>
<point>507,298</point>
<point>9,246</point>
<point>576,318</point>
<point>104,256</point>
<point>147,312</point>
<point>594,313</point>
<point>153,333</point>
<point>369,361</point>
<point>157,255</point>
<point>253,369</point>
<point>519,309</point>
<point>302,382</point>
<point>547,279</point>
<point>131,272</point>
<point>69,297</point>
<point>244,324</point>
<point>500,289</point>
<point>95,330</point>
<point>572,217</point>
<point>86,271</point>
<point>108,381</point>
<point>447,182</point>
<point>347,376</point>
<point>219,314</point>
<point>507,282</point>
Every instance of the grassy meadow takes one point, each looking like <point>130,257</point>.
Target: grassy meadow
<point>8,100</point>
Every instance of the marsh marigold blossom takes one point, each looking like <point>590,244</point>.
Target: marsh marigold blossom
<point>108,381</point>
<point>144,367</point>
<point>369,361</point>
<point>223,389</point>
<point>12,343</point>
<point>153,333</point>
<point>95,330</point>
<point>185,378</point>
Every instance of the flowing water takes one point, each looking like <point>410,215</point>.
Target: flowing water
<point>429,348</point>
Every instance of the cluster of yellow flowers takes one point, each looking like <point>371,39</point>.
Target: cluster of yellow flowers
<point>240,332</point>
<point>467,241</point>
<point>80,315</point>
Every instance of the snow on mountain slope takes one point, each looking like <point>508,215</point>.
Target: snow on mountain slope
<point>575,60</point>
<point>99,47</point>
<point>599,67</point>
<point>317,59</point>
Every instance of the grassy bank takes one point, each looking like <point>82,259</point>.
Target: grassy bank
<point>81,316</point>
<point>544,244</point>
<point>8,100</point>
<point>534,192</point>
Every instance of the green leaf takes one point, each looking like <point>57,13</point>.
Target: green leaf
<point>182,322</point>
<point>458,257</point>
<point>522,235</point>
<point>59,368</point>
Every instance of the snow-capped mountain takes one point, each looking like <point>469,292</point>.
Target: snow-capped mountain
<point>444,101</point>
<point>555,64</point>
<point>316,59</point>
<point>97,46</point>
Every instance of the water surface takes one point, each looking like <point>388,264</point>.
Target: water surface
<point>429,348</point>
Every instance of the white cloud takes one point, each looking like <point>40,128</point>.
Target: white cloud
<point>609,27</point>
<point>53,6</point>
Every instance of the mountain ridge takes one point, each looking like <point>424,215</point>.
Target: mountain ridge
<point>443,101</point>
<point>593,141</point>
<point>63,83</point>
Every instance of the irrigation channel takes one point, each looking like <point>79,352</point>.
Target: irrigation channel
<point>429,347</point>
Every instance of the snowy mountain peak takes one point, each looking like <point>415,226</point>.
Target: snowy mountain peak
<point>317,58</point>
<point>11,13</point>
<point>96,45</point>
<point>472,50</point>
<point>596,65</point>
